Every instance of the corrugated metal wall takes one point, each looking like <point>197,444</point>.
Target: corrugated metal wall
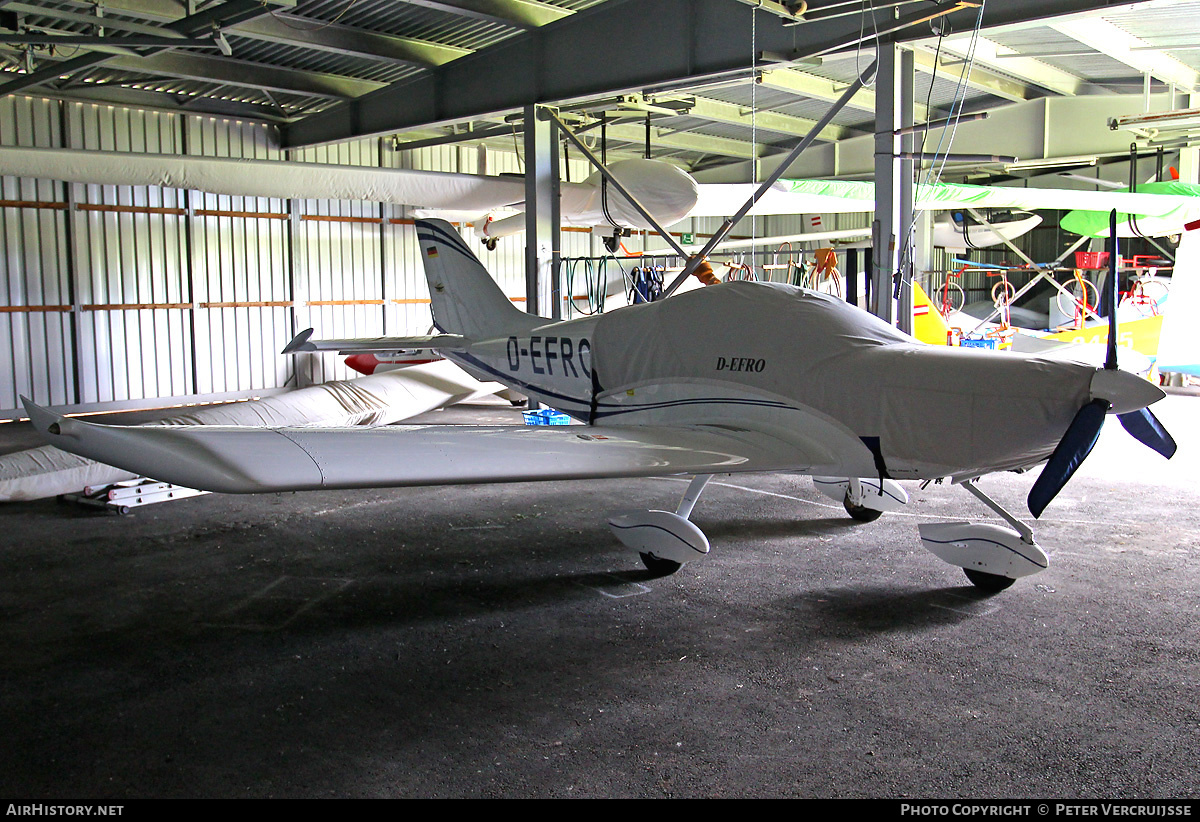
<point>124,296</point>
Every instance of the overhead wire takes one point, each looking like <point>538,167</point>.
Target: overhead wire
<point>753,110</point>
<point>933,174</point>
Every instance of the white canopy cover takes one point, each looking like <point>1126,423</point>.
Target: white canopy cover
<point>821,353</point>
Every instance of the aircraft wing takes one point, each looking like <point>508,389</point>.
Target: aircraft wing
<point>471,193</point>
<point>252,460</point>
<point>302,343</point>
<point>848,196</point>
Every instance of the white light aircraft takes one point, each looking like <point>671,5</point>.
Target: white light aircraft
<point>737,377</point>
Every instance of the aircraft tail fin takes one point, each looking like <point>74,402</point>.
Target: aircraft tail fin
<point>465,299</point>
<point>928,324</point>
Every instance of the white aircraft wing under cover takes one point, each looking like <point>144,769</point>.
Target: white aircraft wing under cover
<point>233,459</point>
<point>848,196</point>
<point>268,178</point>
<point>668,192</point>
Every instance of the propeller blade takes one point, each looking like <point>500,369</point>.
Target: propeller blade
<point>1146,429</point>
<point>1072,450</point>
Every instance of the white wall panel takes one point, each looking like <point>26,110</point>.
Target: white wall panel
<point>240,268</point>
<point>36,352</point>
<point>165,293</point>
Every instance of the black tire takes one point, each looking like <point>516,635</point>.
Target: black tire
<point>990,583</point>
<point>860,512</point>
<point>658,566</point>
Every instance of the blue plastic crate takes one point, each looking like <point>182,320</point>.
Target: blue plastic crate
<point>545,416</point>
<point>985,343</point>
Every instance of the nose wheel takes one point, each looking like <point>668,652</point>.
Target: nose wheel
<point>861,513</point>
<point>988,583</point>
<point>658,566</point>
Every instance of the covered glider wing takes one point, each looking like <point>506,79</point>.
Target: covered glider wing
<point>252,460</point>
<point>267,178</point>
<point>1137,219</point>
<point>847,196</point>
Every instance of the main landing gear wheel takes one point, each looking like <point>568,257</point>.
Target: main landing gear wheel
<point>658,566</point>
<point>989,583</point>
<point>860,512</point>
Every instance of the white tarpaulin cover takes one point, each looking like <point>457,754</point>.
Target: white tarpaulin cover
<point>819,354</point>
<point>1178,202</point>
<point>266,178</point>
<point>668,192</point>
<point>377,400</point>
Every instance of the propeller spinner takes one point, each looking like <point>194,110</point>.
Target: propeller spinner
<point>1110,389</point>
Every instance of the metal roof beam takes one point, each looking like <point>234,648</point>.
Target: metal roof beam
<point>807,85</point>
<point>228,13</point>
<point>687,141</point>
<point>120,95</point>
<point>68,16</point>
<point>298,31</point>
<point>235,73</point>
<point>1114,42</point>
<point>990,55</point>
<point>717,111</point>
<point>277,27</point>
<point>523,14</point>
<point>588,54</point>
<point>978,78</point>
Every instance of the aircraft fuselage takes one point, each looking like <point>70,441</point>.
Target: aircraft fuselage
<point>779,356</point>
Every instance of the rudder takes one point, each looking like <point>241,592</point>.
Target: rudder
<point>464,297</point>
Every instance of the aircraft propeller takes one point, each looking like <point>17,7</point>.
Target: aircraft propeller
<point>1107,387</point>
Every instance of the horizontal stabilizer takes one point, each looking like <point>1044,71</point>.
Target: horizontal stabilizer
<point>303,343</point>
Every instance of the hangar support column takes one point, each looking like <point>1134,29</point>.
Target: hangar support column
<point>542,218</point>
<point>891,232</point>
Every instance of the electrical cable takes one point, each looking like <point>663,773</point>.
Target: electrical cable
<point>933,175</point>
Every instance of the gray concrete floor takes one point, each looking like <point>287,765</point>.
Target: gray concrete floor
<point>498,641</point>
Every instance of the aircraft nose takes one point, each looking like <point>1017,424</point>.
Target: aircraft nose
<point>1127,392</point>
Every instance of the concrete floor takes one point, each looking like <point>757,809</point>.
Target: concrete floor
<point>497,641</point>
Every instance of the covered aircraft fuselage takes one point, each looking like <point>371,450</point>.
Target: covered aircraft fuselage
<point>702,358</point>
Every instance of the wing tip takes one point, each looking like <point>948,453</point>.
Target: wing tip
<point>300,343</point>
<point>44,420</point>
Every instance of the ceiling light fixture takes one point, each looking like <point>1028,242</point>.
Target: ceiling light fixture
<point>1180,118</point>
<point>1052,162</point>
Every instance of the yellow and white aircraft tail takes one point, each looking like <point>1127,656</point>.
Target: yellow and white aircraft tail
<point>928,323</point>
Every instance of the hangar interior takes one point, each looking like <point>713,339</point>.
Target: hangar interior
<point>153,655</point>
<point>120,296</point>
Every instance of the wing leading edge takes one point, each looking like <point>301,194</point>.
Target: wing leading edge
<point>254,460</point>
